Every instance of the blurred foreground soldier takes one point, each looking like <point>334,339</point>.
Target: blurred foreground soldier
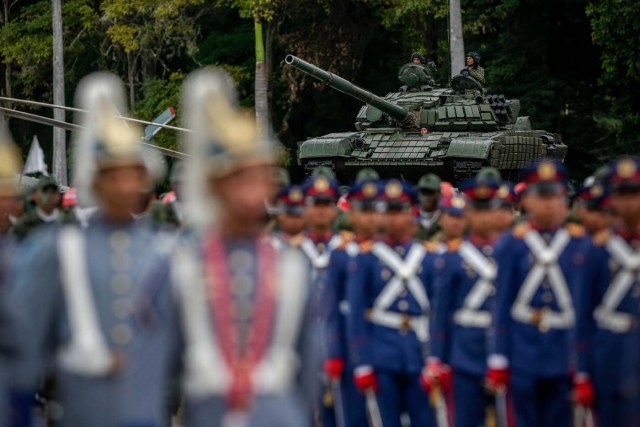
<point>79,286</point>
<point>388,324</point>
<point>47,198</point>
<point>429,195</point>
<point>234,306</point>
<point>541,264</point>
<point>365,219</point>
<point>608,312</point>
<point>15,399</point>
<point>464,289</point>
<point>10,195</point>
<point>473,68</point>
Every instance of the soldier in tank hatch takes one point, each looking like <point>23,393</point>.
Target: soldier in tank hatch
<point>473,68</point>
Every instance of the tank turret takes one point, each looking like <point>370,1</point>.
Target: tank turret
<point>422,128</point>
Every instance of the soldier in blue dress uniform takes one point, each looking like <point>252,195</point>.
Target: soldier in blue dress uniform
<point>541,263</point>
<point>365,219</point>
<point>289,211</point>
<point>79,286</point>
<point>234,308</point>
<point>389,305</point>
<point>320,240</point>
<point>464,288</point>
<point>608,303</point>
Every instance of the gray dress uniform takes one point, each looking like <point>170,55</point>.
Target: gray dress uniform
<point>79,288</point>
<point>220,328</point>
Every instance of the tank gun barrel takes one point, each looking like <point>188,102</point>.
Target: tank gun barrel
<point>347,87</point>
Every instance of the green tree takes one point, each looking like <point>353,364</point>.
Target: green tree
<point>144,34</point>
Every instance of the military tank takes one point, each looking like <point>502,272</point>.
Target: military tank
<point>422,128</point>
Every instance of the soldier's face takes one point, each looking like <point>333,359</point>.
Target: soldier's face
<point>546,210</point>
<point>592,221</point>
<point>366,223</point>
<point>320,214</point>
<point>453,226</point>
<point>482,221</point>
<point>119,188</point>
<point>291,224</point>
<point>504,219</point>
<point>626,205</point>
<point>243,193</point>
<point>470,61</point>
<point>48,198</point>
<point>429,200</point>
<point>416,60</point>
<point>399,224</point>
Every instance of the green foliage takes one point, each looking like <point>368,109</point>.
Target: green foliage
<point>616,25</point>
<point>156,96</point>
<point>573,65</point>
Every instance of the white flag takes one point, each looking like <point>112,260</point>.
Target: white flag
<point>35,160</point>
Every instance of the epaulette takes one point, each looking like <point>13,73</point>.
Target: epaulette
<point>366,246</point>
<point>454,244</point>
<point>575,230</point>
<point>602,237</point>
<point>519,230</point>
<point>346,238</point>
<point>431,246</point>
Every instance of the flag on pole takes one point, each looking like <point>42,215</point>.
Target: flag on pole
<point>35,160</point>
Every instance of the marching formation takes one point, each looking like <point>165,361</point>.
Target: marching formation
<point>236,302</point>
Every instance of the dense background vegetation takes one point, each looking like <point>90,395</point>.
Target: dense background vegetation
<point>573,64</point>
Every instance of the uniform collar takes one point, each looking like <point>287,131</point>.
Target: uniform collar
<point>546,230</point>
<point>480,241</point>
<point>395,243</point>
<point>628,235</point>
<point>319,238</point>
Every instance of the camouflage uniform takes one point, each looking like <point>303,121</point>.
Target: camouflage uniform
<point>477,72</point>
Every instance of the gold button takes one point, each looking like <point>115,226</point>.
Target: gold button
<point>240,260</point>
<point>487,250</point>
<point>120,261</point>
<point>403,305</point>
<point>120,284</point>
<point>244,309</point>
<point>119,240</point>
<point>242,284</point>
<point>386,274</point>
<point>121,308</point>
<point>121,334</point>
<point>400,250</point>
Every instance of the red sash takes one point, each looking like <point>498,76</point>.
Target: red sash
<point>223,308</point>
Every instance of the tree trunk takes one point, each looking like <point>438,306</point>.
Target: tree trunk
<point>455,37</point>
<point>131,77</point>
<point>262,84</point>
<point>8,67</point>
<point>59,136</point>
